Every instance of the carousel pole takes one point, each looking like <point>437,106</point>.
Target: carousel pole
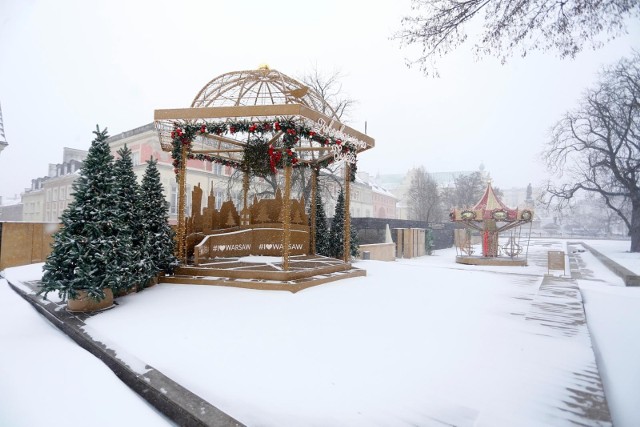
<point>314,194</point>
<point>286,218</point>
<point>347,216</point>
<point>182,229</point>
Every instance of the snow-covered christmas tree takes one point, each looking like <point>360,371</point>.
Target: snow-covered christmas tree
<point>336,235</point>
<point>126,207</point>
<point>322,230</point>
<point>159,244</point>
<point>86,249</point>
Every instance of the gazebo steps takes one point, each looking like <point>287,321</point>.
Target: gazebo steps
<point>294,285</point>
<point>304,271</point>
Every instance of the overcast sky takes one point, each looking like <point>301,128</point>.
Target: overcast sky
<point>66,66</point>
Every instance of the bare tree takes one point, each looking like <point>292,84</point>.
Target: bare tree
<point>467,191</point>
<point>424,198</point>
<point>512,25</point>
<point>596,148</point>
<point>329,87</point>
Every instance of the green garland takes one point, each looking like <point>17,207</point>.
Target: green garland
<point>259,158</point>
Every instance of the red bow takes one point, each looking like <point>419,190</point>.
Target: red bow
<point>274,158</point>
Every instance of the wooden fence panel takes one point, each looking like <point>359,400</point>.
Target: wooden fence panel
<point>23,243</point>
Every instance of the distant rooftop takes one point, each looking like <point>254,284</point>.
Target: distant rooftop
<point>10,201</point>
<point>136,131</point>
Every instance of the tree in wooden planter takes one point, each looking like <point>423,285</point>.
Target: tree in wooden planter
<point>159,243</point>
<point>85,259</point>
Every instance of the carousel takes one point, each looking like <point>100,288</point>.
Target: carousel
<point>261,123</point>
<point>492,233</point>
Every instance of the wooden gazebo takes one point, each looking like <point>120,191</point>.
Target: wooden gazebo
<point>259,121</point>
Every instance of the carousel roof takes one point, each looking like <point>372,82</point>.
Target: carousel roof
<point>489,201</point>
<point>491,207</point>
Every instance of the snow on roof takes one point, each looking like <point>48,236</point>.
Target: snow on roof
<point>10,201</point>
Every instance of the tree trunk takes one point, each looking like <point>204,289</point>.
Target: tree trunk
<point>634,232</point>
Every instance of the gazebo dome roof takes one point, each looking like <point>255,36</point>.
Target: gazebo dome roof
<point>263,86</point>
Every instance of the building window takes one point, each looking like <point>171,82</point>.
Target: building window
<point>62,195</point>
<point>173,206</point>
<point>239,202</point>
<point>135,158</point>
<point>55,195</point>
<point>217,168</point>
<point>48,196</point>
<point>219,198</point>
<point>187,210</point>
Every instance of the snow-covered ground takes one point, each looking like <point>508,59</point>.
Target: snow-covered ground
<point>414,340</point>
<point>618,250</point>
<point>613,315</point>
<point>46,379</point>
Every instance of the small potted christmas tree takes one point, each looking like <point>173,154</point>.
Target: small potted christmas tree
<point>86,263</point>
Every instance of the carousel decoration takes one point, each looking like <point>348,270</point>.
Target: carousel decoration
<point>491,217</point>
<point>260,122</point>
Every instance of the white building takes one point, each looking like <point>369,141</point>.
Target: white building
<point>49,195</point>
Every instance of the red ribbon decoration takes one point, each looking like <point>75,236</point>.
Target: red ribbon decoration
<point>274,158</point>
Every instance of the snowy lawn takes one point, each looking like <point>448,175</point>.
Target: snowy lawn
<point>613,315</point>
<point>413,342</point>
<point>618,250</point>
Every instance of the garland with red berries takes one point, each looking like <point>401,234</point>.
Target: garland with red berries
<point>259,157</point>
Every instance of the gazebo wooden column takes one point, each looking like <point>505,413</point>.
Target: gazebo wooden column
<point>286,218</point>
<point>245,194</point>
<point>182,204</point>
<point>314,194</point>
<point>347,217</point>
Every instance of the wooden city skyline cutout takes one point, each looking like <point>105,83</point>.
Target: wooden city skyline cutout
<point>256,230</point>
